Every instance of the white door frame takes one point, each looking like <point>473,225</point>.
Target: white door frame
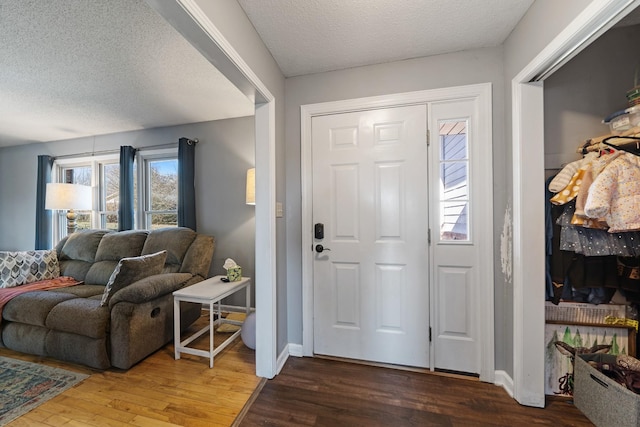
<point>486,294</point>
<point>528,213</point>
<point>189,19</point>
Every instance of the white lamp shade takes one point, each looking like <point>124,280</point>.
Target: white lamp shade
<point>68,196</point>
<point>251,186</point>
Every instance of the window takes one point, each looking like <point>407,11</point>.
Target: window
<point>102,173</point>
<point>161,192</point>
<point>156,200</point>
<point>454,175</point>
<point>109,195</point>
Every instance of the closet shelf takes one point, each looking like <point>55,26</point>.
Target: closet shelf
<point>631,338</point>
<point>598,325</point>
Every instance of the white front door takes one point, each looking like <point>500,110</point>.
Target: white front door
<point>370,205</point>
<point>385,291</point>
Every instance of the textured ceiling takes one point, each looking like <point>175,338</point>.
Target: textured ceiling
<point>311,36</point>
<point>72,68</point>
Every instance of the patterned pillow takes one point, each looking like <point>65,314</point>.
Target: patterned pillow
<point>132,269</point>
<point>18,268</point>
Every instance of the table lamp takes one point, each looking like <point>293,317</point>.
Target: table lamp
<point>68,197</point>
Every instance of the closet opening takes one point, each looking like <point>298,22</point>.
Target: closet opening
<point>592,205</point>
<point>530,131</point>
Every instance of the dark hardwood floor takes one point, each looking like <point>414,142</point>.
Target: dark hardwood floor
<point>321,392</point>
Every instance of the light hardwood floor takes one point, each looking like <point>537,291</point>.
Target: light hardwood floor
<point>159,391</point>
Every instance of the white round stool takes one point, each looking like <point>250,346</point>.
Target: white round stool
<point>248,333</point>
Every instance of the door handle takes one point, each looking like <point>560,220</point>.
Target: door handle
<point>320,248</point>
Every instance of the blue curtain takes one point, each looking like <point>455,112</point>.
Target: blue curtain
<point>186,183</point>
<point>43,216</point>
<point>125,207</point>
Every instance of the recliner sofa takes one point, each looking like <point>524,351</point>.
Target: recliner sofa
<point>79,324</point>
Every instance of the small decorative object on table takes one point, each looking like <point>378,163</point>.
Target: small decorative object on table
<point>234,271</point>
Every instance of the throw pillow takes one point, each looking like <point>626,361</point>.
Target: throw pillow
<point>132,269</point>
<point>18,268</point>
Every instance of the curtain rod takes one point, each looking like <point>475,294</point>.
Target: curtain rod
<point>100,153</point>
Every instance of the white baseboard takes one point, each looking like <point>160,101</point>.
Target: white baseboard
<point>282,359</point>
<point>295,350</point>
<point>503,379</point>
<point>289,350</point>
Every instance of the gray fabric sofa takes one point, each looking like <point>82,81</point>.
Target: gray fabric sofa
<point>70,323</point>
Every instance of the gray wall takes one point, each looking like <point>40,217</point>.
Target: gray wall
<point>232,22</point>
<point>462,68</point>
<point>544,20</point>
<point>585,90</point>
<point>225,152</point>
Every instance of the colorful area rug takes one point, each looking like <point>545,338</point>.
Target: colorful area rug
<point>26,385</point>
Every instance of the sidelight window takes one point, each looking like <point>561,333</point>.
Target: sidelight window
<point>454,180</point>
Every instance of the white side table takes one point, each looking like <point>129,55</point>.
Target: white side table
<point>210,291</point>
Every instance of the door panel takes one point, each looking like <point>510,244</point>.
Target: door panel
<point>389,187</point>
<point>344,185</point>
<point>346,294</point>
<point>455,167</point>
<point>370,187</point>
<point>454,324</point>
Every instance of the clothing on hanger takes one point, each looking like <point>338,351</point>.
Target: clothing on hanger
<point>615,194</point>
